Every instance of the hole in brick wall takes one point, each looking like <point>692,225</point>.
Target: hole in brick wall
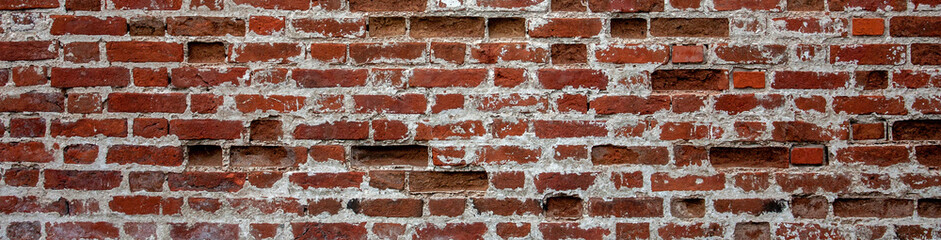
<point>265,130</point>
<point>262,156</point>
<point>569,53</point>
<point>506,27</point>
<point>688,208</point>
<point>567,207</point>
<point>386,26</point>
<point>406,155</point>
<point>204,155</point>
<point>629,28</point>
<point>206,52</point>
<point>147,26</point>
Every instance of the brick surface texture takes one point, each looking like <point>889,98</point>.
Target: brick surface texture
<point>470,119</point>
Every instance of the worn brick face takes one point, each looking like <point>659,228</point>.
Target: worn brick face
<point>460,119</point>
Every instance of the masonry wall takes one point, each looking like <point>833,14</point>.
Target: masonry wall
<point>470,119</point>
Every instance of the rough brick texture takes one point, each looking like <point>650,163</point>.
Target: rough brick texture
<point>470,119</point>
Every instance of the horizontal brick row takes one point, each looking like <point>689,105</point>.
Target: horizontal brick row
<point>426,182</point>
<point>450,53</point>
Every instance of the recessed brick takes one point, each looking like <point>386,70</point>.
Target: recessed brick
<point>206,52</point>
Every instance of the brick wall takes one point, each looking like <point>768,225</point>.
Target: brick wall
<point>467,119</point>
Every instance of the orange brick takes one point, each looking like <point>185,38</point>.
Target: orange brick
<point>868,27</point>
<point>748,79</point>
<point>811,155</point>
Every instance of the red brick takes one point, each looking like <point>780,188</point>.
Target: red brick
<point>388,207</point>
<point>575,78</point>
<point>687,54</point>
<point>402,52</point>
<point>266,52</point>
<point>145,155</point>
<point>144,52</point>
<point>328,152</point>
<point>81,180</point>
<point>567,28</point>
<point>808,155</point>
<point>90,77</point>
<point>205,26</point>
<point>732,5</point>
<point>926,54</point>
<point>689,27</point>
<point>508,77</point>
<point>147,102</point>
<point>25,152</point>
<point>206,181</point>
<point>809,80</point>
<point>869,54</point>
<point>752,54</point>
<point>312,230</point>
<point>873,207</point>
<point>868,26</point>
<point>151,77</point>
<point>88,25</point>
<point>630,104</point>
<point>557,231</point>
<point>633,54</point>
<point>89,128</point>
<point>331,28</point>
<point>882,156</point>
<point>510,230</point>
<point>81,52</point>
<point>748,79</point>
<point>887,5</point>
<point>21,177</point>
<point>491,53</point>
<point>28,50</point>
<point>28,127</point>
<point>749,206</point>
<point>334,130</point>
<point>690,79</point>
<point>401,104</point>
<point>276,103</point>
<point>146,181</point>
<point>140,205</point>
<point>564,181</point>
<point>205,103</point>
<point>809,26</point>
<point>431,78</point>
<point>667,182</point>
<point>451,231</point>
<point>327,180</point>
<point>206,77</point>
<point>448,52</point>
<point>569,129</point>
<point>85,103</point>
<point>329,78</point>
<point>147,5</point>
<point>672,231</point>
<point>199,229</point>
<point>812,182</point>
<point>626,207</point>
<point>387,6</point>
<point>81,230</point>
<point>509,4</point>
<point>869,105</point>
<point>28,4</point>
<point>429,182</point>
<point>276,4</point>
<point>625,6</point>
